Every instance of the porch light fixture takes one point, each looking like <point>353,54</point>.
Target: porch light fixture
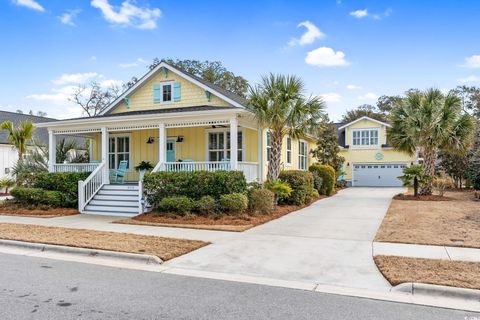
<point>150,140</point>
<point>348,164</point>
<point>180,139</point>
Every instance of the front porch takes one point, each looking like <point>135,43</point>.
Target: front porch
<point>171,145</point>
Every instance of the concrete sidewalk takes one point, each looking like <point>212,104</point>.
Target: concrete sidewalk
<point>425,251</point>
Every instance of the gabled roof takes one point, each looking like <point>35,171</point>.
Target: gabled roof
<point>230,97</point>
<point>41,135</point>
<point>364,118</point>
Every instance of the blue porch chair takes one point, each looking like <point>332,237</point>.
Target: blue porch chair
<point>118,175</point>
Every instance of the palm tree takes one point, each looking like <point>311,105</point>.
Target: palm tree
<point>414,175</point>
<point>18,136</point>
<point>429,122</point>
<point>279,104</point>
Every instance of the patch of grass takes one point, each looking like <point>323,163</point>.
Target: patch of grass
<point>451,223</point>
<point>164,248</point>
<point>432,271</point>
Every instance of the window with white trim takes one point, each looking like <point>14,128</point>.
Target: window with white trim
<point>289,151</point>
<point>269,146</point>
<point>302,155</point>
<point>365,137</point>
<point>219,146</point>
<point>166,90</point>
<point>118,150</point>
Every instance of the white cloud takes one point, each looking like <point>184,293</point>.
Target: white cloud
<point>370,96</point>
<point>31,4</point>
<point>137,62</point>
<point>68,17</point>
<point>76,78</point>
<point>359,13</point>
<point>472,61</point>
<point>312,33</point>
<point>331,97</point>
<point>128,14</point>
<point>326,57</point>
<point>58,98</point>
<point>353,87</point>
<point>468,79</point>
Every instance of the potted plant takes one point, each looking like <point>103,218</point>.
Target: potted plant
<point>143,167</point>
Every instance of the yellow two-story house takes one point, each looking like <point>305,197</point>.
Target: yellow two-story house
<point>177,122</point>
<point>369,160</point>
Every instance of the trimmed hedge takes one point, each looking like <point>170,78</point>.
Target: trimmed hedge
<point>37,196</point>
<point>64,182</point>
<point>194,185</point>
<point>302,184</point>
<point>206,205</point>
<point>179,205</point>
<point>327,174</point>
<point>234,202</point>
<point>262,201</point>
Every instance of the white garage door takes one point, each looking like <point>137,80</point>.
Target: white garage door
<point>377,175</point>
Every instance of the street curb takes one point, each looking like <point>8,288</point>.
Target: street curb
<point>85,252</point>
<point>438,291</point>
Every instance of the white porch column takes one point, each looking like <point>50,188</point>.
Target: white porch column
<point>260,154</point>
<point>162,145</point>
<point>106,173</point>
<point>52,151</point>
<point>233,143</point>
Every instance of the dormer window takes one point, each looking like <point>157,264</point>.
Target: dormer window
<point>163,92</point>
<point>365,137</point>
<point>167,92</point>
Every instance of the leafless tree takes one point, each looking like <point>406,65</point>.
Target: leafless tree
<point>93,99</point>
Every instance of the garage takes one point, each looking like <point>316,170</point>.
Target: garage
<point>377,175</point>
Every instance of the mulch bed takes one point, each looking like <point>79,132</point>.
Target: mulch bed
<point>224,223</point>
<point>164,248</point>
<point>450,223</point>
<point>411,197</point>
<point>432,271</point>
<point>11,209</point>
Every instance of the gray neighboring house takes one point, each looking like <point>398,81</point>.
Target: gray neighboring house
<point>9,155</point>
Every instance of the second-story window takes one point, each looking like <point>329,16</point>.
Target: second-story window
<point>365,137</point>
<point>167,92</point>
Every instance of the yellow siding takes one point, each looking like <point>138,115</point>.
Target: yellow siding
<point>194,145</point>
<point>368,154</point>
<point>191,95</point>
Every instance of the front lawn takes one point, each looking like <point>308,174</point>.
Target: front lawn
<point>432,271</point>
<point>164,248</point>
<point>455,222</point>
<point>236,223</point>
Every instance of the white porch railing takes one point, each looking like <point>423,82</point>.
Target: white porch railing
<point>250,170</point>
<point>74,167</point>
<point>196,166</point>
<point>88,188</point>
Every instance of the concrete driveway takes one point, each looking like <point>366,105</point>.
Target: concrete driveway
<point>329,243</point>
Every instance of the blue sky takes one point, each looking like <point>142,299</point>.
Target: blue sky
<point>350,52</point>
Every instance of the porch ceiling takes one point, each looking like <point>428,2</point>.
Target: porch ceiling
<point>150,119</point>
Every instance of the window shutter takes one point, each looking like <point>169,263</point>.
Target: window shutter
<point>156,93</point>
<point>177,91</point>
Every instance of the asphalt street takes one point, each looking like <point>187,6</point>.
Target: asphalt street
<point>37,288</point>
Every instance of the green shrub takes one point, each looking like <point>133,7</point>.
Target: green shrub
<point>37,196</point>
<point>64,182</point>
<point>327,174</point>
<point>195,185</point>
<point>280,188</point>
<point>262,201</point>
<point>206,205</point>
<point>301,183</point>
<point>315,193</point>
<point>178,204</point>
<point>234,202</point>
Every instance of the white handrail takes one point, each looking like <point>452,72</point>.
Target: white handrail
<point>197,166</point>
<point>88,188</point>
<point>141,201</point>
<point>250,170</point>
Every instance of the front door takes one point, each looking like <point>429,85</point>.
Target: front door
<point>171,152</point>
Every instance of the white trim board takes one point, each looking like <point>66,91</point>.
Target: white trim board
<point>364,118</point>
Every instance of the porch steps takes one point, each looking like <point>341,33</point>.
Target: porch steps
<point>115,199</point>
